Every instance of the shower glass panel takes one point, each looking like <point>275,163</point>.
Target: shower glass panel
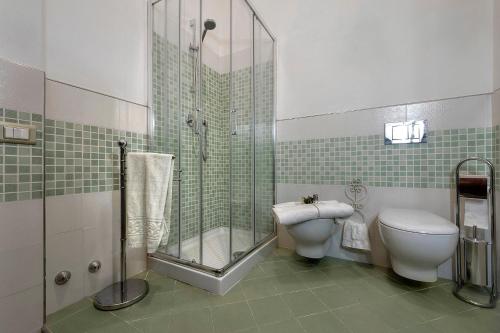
<point>215,132</point>
<point>166,106</point>
<point>212,105</point>
<point>242,129</point>
<point>263,56</point>
<point>189,164</point>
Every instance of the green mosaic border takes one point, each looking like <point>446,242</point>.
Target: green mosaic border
<point>335,161</point>
<point>21,166</point>
<point>83,158</point>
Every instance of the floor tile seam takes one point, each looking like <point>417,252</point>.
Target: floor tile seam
<point>320,300</point>
<point>476,308</point>
<point>435,319</point>
<point>137,319</point>
<point>254,319</point>
<point>341,321</point>
<point>313,314</point>
<point>293,318</point>
<point>290,311</point>
<point>212,321</point>
<point>228,303</point>
<point>81,310</point>
<point>128,322</point>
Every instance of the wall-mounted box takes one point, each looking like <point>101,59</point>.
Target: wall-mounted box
<point>414,131</point>
<point>17,133</point>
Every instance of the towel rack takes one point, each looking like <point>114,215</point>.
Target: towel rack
<point>475,261</point>
<point>125,292</point>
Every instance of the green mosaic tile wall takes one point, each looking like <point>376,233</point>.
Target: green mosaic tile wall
<point>336,161</point>
<point>83,158</point>
<point>21,166</point>
<point>264,148</point>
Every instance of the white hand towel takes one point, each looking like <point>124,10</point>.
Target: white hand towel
<point>476,213</point>
<point>291,213</point>
<point>149,199</point>
<point>295,212</point>
<point>333,209</point>
<point>355,235</point>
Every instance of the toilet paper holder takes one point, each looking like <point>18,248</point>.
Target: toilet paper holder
<point>475,261</point>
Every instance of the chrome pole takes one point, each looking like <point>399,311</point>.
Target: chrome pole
<point>123,218</point>
<point>124,292</point>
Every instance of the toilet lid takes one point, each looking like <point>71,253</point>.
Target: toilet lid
<point>418,221</point>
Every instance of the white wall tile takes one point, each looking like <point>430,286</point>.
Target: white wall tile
<point>21,269</point>
<point>95,237</point>
<point>22,312</point>
<point>68,103</point>
<point>462,112</point>
<point>61,296</point>
<point>496,107</point>
<point>94,282</point>
<point>364,122</point>
<point>21,224</point>
<point>64,252</point>
<point>21,87</point>
<point>63,213</point>
<point>438,201</point>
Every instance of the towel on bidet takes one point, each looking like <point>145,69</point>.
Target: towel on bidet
<point>295,212</point>
<point>355,234</point>
<point>149,199</point>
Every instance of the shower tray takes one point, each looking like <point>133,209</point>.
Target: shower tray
<point>220,280</point>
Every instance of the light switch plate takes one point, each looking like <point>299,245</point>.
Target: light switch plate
<point>413,131</point>
<point>17,133</point>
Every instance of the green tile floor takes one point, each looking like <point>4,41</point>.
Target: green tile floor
<point>288,294</point>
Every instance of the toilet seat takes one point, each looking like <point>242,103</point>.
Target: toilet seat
<point>417,221</point>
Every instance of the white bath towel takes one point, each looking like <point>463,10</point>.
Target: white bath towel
<point>355,235</point>
<point>149,199</point>
<point>476,213</point>
<point>295,212</point>
<point>333,209</point>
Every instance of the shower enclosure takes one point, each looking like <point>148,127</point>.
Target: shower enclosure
<point>212,105</point>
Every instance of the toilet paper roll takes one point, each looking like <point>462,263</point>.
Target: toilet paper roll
<point>476,213</point>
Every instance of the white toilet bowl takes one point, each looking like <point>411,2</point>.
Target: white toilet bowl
<point>312,237</point>
<point>418,242</point>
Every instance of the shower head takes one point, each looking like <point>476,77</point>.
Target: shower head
<point>209,25</point>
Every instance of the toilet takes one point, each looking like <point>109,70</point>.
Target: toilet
<point>313,237</point>
<point>311,225</point>
<point>418,242</point>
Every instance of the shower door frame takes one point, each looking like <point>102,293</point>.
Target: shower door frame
<point>256,245</point>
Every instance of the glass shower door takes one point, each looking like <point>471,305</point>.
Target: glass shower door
<point>242,130</point>
<point>190,131</point>
<point>264,130</point>
<point>215,132</point>
<point>166,80</point>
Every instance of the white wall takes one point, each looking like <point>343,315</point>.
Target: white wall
<point>21,222</point>
<point>21,32</point>
<point>496,45</point>
<point>341,55</point>
<point>100,45</point>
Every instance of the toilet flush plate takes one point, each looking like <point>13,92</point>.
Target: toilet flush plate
<point>414,131</point>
